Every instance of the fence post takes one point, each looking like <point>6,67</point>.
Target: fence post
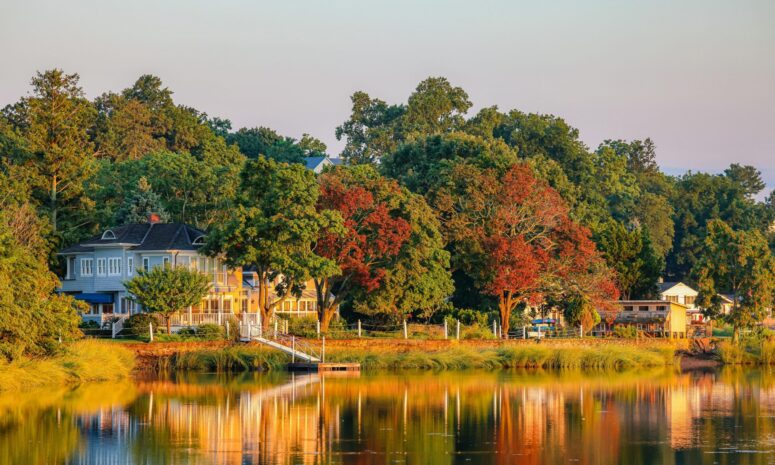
<point>113,330</point>
<point>581,329</point>
<point>323,351</point>
<point>458,329</point>
<point>359,329</point>
<point>445,328</point>
<point>275,328</point>
<point>220,317</point>
<point>150,331</point>
<point>293,349</point>
<point>317,327</point>
<point>524,332</point>
<point>227,329</point>
<point>495,328</point>
<point>406,334</point>
<point>250,331</point>
<point>286,326</point>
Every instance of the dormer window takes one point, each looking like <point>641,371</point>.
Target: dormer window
<point>199,240</point>
<point>108,235</point>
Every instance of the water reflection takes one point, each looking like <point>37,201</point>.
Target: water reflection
<point>429,418</point>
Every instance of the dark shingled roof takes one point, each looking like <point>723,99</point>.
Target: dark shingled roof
<point>667,285</point>
<point>145,236</point>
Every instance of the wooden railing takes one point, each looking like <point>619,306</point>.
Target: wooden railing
<point>196,319</point>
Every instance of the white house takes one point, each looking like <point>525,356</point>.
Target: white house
<point>318,164</point>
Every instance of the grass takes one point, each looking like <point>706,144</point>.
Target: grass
<point>747,352</point>
<point>83,361</point>
<point>457,358</point>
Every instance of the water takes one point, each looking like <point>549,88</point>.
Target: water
<point>647,417</point>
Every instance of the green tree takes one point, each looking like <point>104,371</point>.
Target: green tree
<point>138,207</point>
<point>168,290</point>
<point>272,229</point>
<point>33,316</point>
<point>630,254</point>
<point>254,142</point>
<point>742,264</point>
<point>54,122</point>
<point>747,177</point>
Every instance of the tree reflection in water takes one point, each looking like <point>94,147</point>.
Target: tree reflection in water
<point>519,417</point>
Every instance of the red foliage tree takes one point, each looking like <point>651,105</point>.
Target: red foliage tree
<point>372,238</point>
<point>514,236</point>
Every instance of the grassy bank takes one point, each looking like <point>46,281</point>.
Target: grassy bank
<point>747,352</point>
<point>458,357</point>
<point>83,361</point>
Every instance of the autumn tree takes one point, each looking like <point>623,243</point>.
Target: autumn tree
<point>390,256</point>
<point>272,229</point>
<point>168,290</point>
<point>512,234</point>
<point>739,263</point>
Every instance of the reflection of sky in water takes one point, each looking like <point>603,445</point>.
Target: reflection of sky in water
<point>470,417</point>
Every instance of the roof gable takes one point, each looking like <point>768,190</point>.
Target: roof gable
<point>144,236</point>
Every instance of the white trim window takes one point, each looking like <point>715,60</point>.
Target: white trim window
<point>146,263</point>
<point>165,261</point>
<point>130,266</point>
<point>100,267</point>
<point>114,266</point>
<point>87,266</point>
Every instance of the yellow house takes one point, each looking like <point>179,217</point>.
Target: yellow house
<point>655,318</point>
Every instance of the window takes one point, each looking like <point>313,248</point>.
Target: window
<point>100,267</point>
<point>87,266</point>
<point>661,308</point>
<point>199,240</point>
<point>689,299</point>
<point>166,261</point>
<point>628,308</point>
<point>114,266</point>
<point>108,235</point>
<point>130,265</point>
<point>672,298</point>
<point>146,263</point>
<point>643,308</point>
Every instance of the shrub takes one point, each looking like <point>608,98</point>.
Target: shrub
<point>210,332</point>
<point>90,324</point>
<point>303,326</point>
<point>137,324</point>
<point>625,332</point>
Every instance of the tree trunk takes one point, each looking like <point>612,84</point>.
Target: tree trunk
<point>504,305</point>
<point>169,324</point>
<point>735,333</point>
<point>325,315</point>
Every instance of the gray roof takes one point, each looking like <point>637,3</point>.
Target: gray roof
<point>313,162</point>
<point>144,236</point>
<point>667,285</point>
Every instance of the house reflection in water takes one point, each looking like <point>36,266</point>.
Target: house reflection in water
<point>523,418</point>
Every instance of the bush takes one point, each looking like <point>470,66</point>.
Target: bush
<point>137,324</point>
<point>210,332</point>
<point>303,326</point>
<point>625,332</point>
<point>90,324</point>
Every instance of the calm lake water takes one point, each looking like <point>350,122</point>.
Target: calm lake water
<point>647,417</point>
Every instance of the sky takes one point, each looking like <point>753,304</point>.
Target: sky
<point>697,76</point>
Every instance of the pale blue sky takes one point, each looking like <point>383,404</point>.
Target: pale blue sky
<point>697,76</point>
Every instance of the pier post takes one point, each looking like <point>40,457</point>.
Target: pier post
<point>406,334</point>
<point>293,349</point>
<point>150,330</point>
<point>458,329</point>
<point>359,329</point>
<point>445,328</point>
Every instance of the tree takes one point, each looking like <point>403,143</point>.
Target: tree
<point>390,254</point>
<point>55,122</point>
<point>747,177</point>
<point>33,317</point>
<point>272,229</point>
<point>254,142</point>
<point>511,233</point>
<point>139,206</point>
<point>168,290</point>
<point>740,263</point>
<point>630,254</point>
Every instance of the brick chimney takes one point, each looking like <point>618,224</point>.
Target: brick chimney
<point>154,218</point>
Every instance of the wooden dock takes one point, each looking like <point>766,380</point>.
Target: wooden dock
<point>321,367</point>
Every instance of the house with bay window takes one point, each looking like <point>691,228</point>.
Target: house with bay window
<point>97,268</point>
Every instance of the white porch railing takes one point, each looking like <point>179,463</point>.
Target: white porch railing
<point>196,319</point>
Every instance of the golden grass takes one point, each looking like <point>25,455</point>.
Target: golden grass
<point>83,361</point>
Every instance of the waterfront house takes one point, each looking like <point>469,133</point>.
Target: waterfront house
<point>651,318</point>
<point>679,293</point>
<point>97,268</point>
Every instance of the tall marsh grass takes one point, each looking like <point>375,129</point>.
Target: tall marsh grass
<point>458,358</point>
<point>747,352</point>
<point>83,361</point>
